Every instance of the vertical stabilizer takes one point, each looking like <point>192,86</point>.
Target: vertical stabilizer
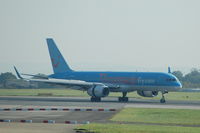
<point>58,62</point>
<point>169,70</point>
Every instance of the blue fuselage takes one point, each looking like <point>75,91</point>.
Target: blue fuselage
<point>128,81</point>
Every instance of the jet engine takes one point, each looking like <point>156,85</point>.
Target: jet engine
<point>98,91</point>
<point>147,93</point>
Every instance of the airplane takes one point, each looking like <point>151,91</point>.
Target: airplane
<point>100,84</point>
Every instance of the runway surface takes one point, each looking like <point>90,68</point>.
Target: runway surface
<point>35,128</point>
<point>78,102</point>
<point>84,102</point>
<point>71,102</point>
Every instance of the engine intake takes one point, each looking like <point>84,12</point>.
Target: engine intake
<point>98,91</point>
<point>147,93</point>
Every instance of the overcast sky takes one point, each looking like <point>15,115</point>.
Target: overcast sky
<point>110,35</point>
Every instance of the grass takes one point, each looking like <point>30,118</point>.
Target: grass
<point>157,116</point>
<point>164,116</point>
<point>195,96</point>
<point>128,128</point>
<point>67,92</point>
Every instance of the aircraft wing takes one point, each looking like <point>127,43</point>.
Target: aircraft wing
<point>81,85</point>
<point>62,82</point>
<point>76,84</point>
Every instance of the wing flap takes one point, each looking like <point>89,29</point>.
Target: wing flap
<point>63,82</point>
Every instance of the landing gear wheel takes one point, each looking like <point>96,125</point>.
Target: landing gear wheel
<point>162,100</point>
<point>123,99</point>
<point>95,99</point>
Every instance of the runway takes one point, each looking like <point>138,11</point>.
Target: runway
<point>77,102</point>
<point>36,128</point>
<point>57,116</point>
<point>60,116</point>
<point>84,102</point>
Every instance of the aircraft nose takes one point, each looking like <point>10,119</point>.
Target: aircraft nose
<point>179,85</point>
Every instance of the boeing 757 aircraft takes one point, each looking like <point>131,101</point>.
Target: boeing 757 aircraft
<point>100,84</point>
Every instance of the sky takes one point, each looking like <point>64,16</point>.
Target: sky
<point>102,35</point>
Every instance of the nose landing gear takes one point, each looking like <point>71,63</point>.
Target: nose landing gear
<point>162,100</point>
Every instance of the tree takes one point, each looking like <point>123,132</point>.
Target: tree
<point>5,77</point>
<point>179,75</point>
<point>193,76</point>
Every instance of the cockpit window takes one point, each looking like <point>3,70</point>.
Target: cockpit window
<point>171,79</point>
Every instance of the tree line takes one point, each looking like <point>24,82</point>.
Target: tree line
<point>189,80</point>
<point>9,80</point>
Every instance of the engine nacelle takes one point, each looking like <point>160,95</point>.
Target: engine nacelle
<point>98,91</point>
<point>147,93</point>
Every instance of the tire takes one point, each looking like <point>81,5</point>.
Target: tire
<point>162,100</point>
<point>98,99</point>
<point>119,99</point>
<point>95,99</point>
<point>92,99</point>
<point>123,99</point>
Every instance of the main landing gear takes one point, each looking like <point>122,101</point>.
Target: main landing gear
<point>95,99</point>
<point>162,100</point>
<point>123,98</point>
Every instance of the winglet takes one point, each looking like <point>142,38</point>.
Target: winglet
<point>169,70</point>
<point>18,75</point>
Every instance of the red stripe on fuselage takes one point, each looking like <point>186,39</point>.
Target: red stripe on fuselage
<point>122,80</point>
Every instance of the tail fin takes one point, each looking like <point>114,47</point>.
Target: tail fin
<point>58,62</point>
<point>169,70</point>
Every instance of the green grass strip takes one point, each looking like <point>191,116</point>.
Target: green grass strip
<point>165,116</point>
<point>128,128</point>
